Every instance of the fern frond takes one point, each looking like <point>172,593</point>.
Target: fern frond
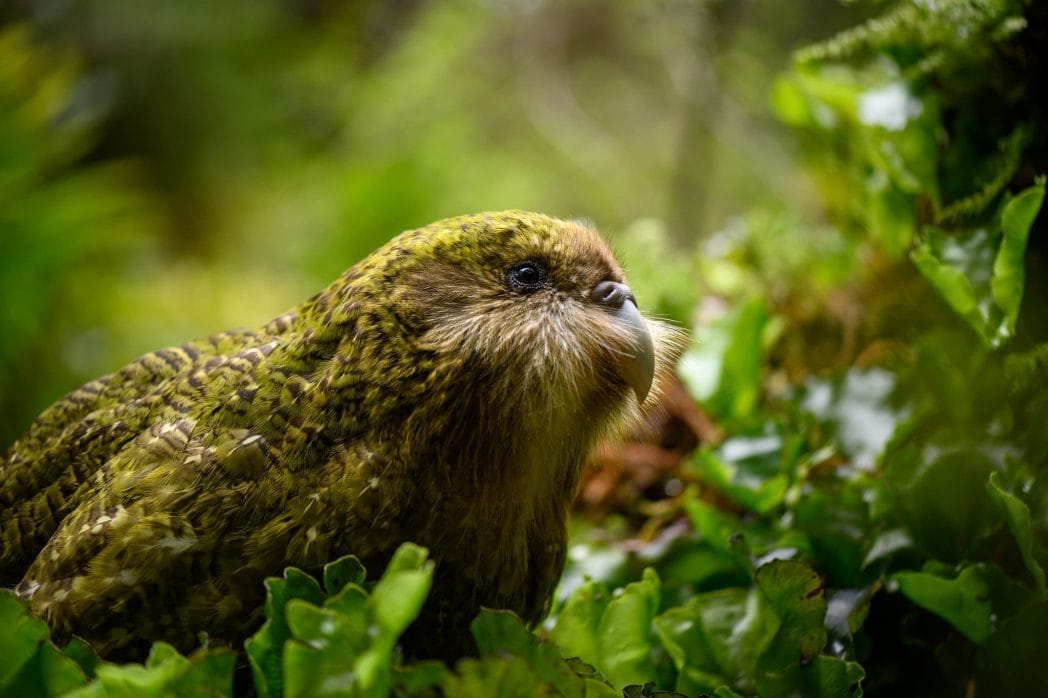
<point>1000,171</point>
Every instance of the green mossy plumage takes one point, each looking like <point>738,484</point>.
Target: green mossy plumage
<point>416,398</point>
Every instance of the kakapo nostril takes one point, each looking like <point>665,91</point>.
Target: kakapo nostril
<point>612,294</point>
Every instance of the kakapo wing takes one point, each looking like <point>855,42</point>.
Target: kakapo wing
<point>53,465</point>
<point>162,504</point>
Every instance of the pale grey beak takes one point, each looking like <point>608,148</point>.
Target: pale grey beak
<point>637,365</point>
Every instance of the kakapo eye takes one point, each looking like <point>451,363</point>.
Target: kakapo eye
<point>526,277</point>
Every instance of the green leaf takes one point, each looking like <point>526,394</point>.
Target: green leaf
<point>613,634</point>
<point>945,503</point>
<point>47,673</point>
<point>858,408</point>
<point>319,627</point>
<point>980,272</point>
<point>716,638</point>
<point>395,601</point>
<point>834,517</point>
<point>343,571</point>
<point>407,557</point>
<point>398,596</point>
<point>590,675</point>
<point>695,564</point>
<point>30,665</point>
<point>501,632</point>
<point>1009,268</point>
<point>890,213</point>
<point>1015,654</point>
<point>206,672</point>
<point>963,602</point>
<point>210,673</point>
<point>906,152</point>
<point>599,689</point>
<point>23,634</point>
<point>887,544</point>
<point>511,677</point>
<point>625,635</point>
<point>351,602</point>
<point>83,654</point>
<point>718,530</point>
<point>794,592</point>
<point>724,370</point>
<point>576,629</point>
<point>1017,514</point>
<point>758,640</point>
<point>265,648</point>
<point>748,469</point>
<point>419,679</point>
<point>694,636</point>
<point>951,283</point>
<point>346,646</point>
<point>320,659</point>
<point>830,677</point>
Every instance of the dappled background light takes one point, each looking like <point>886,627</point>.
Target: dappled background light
<point>176,169</point>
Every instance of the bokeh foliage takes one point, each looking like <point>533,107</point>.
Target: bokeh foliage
<point>221,161</point>
<point>867,293</point>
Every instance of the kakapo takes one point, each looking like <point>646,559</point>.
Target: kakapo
<point>444,390</point>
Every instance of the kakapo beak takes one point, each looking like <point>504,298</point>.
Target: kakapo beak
<point>636,365</point>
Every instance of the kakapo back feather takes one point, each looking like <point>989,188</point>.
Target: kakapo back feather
<point>418,397</point>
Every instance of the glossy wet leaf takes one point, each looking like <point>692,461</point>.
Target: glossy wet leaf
<point>1009,268</point>
<point>958,266</point>
<point>981,272</point>
<point>749,469</point>
<point>858,408</point>
<point>1017,514</point>
<point>716,638</point>
<point>846,611</point>
<point>964,601</point>
<point>724,370</point>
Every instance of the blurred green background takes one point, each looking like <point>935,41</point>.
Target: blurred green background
<point>172,169</point>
